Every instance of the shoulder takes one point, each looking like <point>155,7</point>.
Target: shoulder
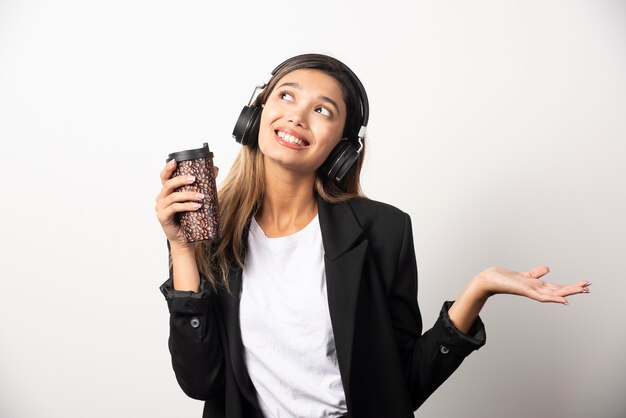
<point>388,231</point>
<point>380,219</point>
<point>367,209</point>
<point>347,222</point>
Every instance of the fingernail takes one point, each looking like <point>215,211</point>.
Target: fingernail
<point>171,162</point>
<point>200,196</point>
<point>191,179</point>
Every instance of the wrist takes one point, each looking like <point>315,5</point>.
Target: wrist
<point>181,248</point>
<point>480,288</point>
<point>468,304</point>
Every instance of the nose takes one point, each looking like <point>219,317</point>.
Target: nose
<point>298,116</point>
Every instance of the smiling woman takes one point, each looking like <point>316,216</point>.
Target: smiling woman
<point>307,307</point>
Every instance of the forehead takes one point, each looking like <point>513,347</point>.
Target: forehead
<point>315,82</point>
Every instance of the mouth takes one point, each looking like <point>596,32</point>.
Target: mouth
<point>291,140</point>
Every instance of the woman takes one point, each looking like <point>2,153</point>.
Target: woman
<point>308,304</point>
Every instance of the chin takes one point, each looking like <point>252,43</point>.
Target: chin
<point>288,162</point>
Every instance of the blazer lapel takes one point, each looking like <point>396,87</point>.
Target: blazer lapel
<point>345,247</point>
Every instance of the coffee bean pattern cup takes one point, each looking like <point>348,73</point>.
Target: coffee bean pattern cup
<point>201,224</point>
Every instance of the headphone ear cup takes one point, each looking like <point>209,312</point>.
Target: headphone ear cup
<point>246,130</point>
<point>340,160</point>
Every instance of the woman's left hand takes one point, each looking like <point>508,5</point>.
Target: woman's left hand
<point>499,280</point>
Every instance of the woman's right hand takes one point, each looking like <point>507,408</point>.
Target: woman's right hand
<point>169,202</point>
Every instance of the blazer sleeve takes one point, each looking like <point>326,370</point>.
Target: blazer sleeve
<point>194,340</point>
<point>429,358</point>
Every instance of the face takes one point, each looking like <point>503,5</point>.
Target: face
<point>302,120</point>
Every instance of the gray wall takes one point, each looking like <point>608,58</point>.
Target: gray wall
<point>499,126</point>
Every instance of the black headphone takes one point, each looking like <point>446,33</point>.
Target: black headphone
<point>345,153</point>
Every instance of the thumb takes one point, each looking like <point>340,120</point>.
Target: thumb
<point>537,272</point>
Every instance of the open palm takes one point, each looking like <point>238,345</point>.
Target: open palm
<point>503,281</point>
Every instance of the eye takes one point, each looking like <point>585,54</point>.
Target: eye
<point>285,95</point>
<point>323,111</point>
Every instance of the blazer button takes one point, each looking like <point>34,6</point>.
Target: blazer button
<point>195,322</point>
<point>444,349</point>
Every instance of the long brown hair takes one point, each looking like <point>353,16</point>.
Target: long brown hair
<point>241,192</point>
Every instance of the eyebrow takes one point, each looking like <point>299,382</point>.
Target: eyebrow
<point>324,98</point>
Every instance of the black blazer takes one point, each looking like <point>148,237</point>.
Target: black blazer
<point>388,367</point>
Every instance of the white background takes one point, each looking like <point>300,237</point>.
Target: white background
<point>499,126</point>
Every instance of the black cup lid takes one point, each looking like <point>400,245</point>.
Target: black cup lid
<point>191,154</point>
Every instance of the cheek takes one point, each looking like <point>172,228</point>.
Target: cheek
<point>264,132</point>
<point>331,136</point>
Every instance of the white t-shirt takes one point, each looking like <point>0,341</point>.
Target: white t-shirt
<point>285,325</point>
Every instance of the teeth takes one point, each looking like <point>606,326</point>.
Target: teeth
<point>290,138</point>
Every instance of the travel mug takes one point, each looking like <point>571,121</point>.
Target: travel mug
<point>203,223</point>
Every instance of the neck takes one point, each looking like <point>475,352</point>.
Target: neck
<point>288,202</point>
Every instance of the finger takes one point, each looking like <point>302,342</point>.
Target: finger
<point>573,289</point>
<point>167,213</point>
<point>178,197</point>
<point>167,171</point>
<point>216,171</point>
<point>536,272</point>
<point>545,298</point>
<point>174,183</point>
<point>580,287</point>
